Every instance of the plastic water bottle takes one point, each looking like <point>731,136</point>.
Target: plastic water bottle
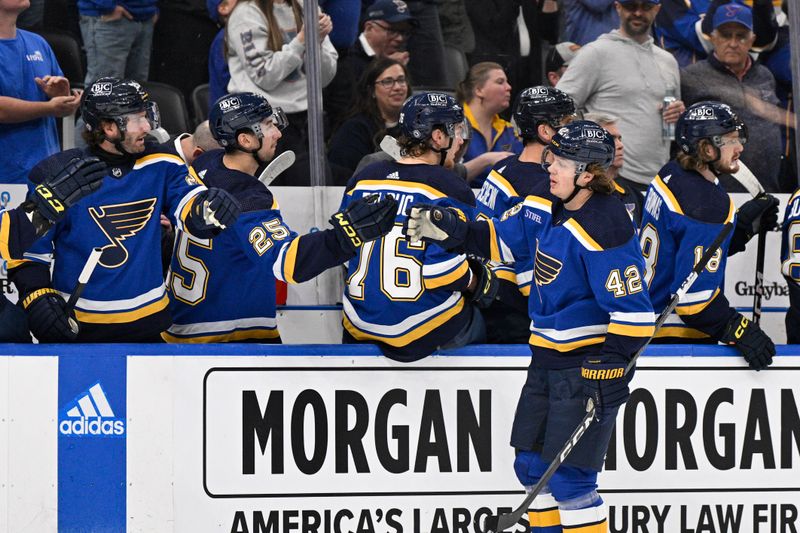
<point>668,129</point>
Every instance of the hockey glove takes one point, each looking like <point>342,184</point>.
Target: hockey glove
<point>754,345</point>
<point>444,226</point>
<point>364,220</point>
<point>215,208</point>
<point>605,382</point>
<point>759,213</point>
<point>486,286</point>
<point>80,178</point>
<point>48,317</point>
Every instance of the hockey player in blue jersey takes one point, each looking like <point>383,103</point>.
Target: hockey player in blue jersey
<point>790,266</point>
<point>21,226</point>
<point>590,314</point>
<point>685,208</point>
<point>538,113</point>
<point>125,300</point>
<point>413,298</point>
<point>224,290</point>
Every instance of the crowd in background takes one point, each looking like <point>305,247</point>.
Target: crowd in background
<point>626,58</point>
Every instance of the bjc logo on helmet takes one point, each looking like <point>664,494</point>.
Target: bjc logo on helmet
<point>230,103</point>
<point>702,113</point>
<point>437,99</point>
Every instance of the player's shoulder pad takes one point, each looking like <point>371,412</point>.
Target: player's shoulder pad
<point>688,193</point>
<point>250,193</point>
<point>451,185</point>
<point>52,165</point>
<point>606,221</point>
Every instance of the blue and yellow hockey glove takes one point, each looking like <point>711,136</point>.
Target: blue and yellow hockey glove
<point>48,316</point>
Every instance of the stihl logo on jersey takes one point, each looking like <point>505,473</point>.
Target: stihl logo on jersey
<point>90,415</point>
<point>230,103</point>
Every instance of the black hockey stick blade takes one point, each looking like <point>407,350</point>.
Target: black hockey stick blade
<point>505,521</point>
<point>758,293</point>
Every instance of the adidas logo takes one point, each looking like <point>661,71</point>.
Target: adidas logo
<point>90,415</point>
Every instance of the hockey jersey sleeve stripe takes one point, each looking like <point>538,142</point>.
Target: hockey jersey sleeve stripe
<point>223,326</point>
<point>129,304</point>
<point>682,332</point>
<point>398,186</point>
<point>525,289</point>
<point>185,205</point>
<point>5,247</point>
<point>447,279</point>
<point>582,236</point>
<point>126,316</point>
<point>158,158</point>
<point>664,192</point>
<point>501,183</point>
<point>494,244</point>
<point>542,342</point>
<point>246,334</point>
<point>630,330</point>
<point>443,267</point>
<point>287,260</point>
<point>414,334</point>
<point>633,318</point>
<point>508,275</point>
<point>731,212</point>
<point>537,202</point>
<point>693,309</point>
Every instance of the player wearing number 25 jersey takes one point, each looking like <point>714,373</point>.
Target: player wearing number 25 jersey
<point>685,209</point>
<point>224,290</point>
<point>408,297</point>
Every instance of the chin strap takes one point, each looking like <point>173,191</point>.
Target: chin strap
<point>576,188</point>
<point>443,151</point>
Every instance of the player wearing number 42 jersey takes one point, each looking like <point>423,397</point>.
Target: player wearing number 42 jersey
<point>224,290</point>
<point>410,297</point>
<point>589,309</point>
<point>684,210</point>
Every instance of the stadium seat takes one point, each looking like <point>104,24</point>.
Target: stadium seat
<point>68,54</point>
<point>171,104</point>
<point>200,102</point>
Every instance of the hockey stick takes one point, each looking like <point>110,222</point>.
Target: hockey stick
<point>495,524</point>
<point>278,165</point>
<point>753,186</point>
<point>83,279</point>
<point>389,145</point>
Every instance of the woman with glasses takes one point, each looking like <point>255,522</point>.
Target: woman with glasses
<point>379,97</point>
<point>266,44</point>
<point>484,94</point>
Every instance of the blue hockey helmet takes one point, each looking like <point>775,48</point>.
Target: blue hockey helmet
<point>237,112</point>
<point>112,99</point>
<point>424,112</point>
<point>707,120</point>
<point>585,142</point>
<point>541,104</point>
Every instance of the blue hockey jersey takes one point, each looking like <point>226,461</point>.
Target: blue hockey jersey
<point>508,183</point>
<point>407,296</point>
<point>223,289</point>
<point>17,233</point>
<point>683,214</point>
<point>588,295</point>
<point>790,243</point>
<point>122,218</point>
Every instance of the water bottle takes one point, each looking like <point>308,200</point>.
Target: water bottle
<point>668,129</point>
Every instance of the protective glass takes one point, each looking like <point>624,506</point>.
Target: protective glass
<point>459,129</point>
<point>151,116</point>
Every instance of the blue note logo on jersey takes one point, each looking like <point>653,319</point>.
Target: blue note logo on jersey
<point>119,222</point>
<point>545,268</point>
<point>90,415</point>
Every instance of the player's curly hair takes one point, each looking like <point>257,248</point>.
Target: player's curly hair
<point>698,161</point>
<point>96,136</point>
<point>601,182</point>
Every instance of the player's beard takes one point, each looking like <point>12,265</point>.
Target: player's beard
<point>729,168</point>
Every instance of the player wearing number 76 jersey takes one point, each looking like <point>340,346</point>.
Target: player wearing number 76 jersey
<point>685,208</point>
<point>224,290</point>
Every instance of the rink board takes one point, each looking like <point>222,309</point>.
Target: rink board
<point>333,439</point>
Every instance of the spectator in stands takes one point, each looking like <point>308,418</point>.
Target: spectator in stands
<point>586,20</point>
<point>380,94</point>
<point>345,15</point>
<point>219,75</point>
<point>511,33</point>
<point>729,75</point>
<point>623,73</point>
<point>387,25</point>
<point>266,55</point>
<point>558,60</point>
<point>484,93</point>
<point>683,28</point>
<point>631,198</point>
<point>33,91</point>
<point>117,37</point>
